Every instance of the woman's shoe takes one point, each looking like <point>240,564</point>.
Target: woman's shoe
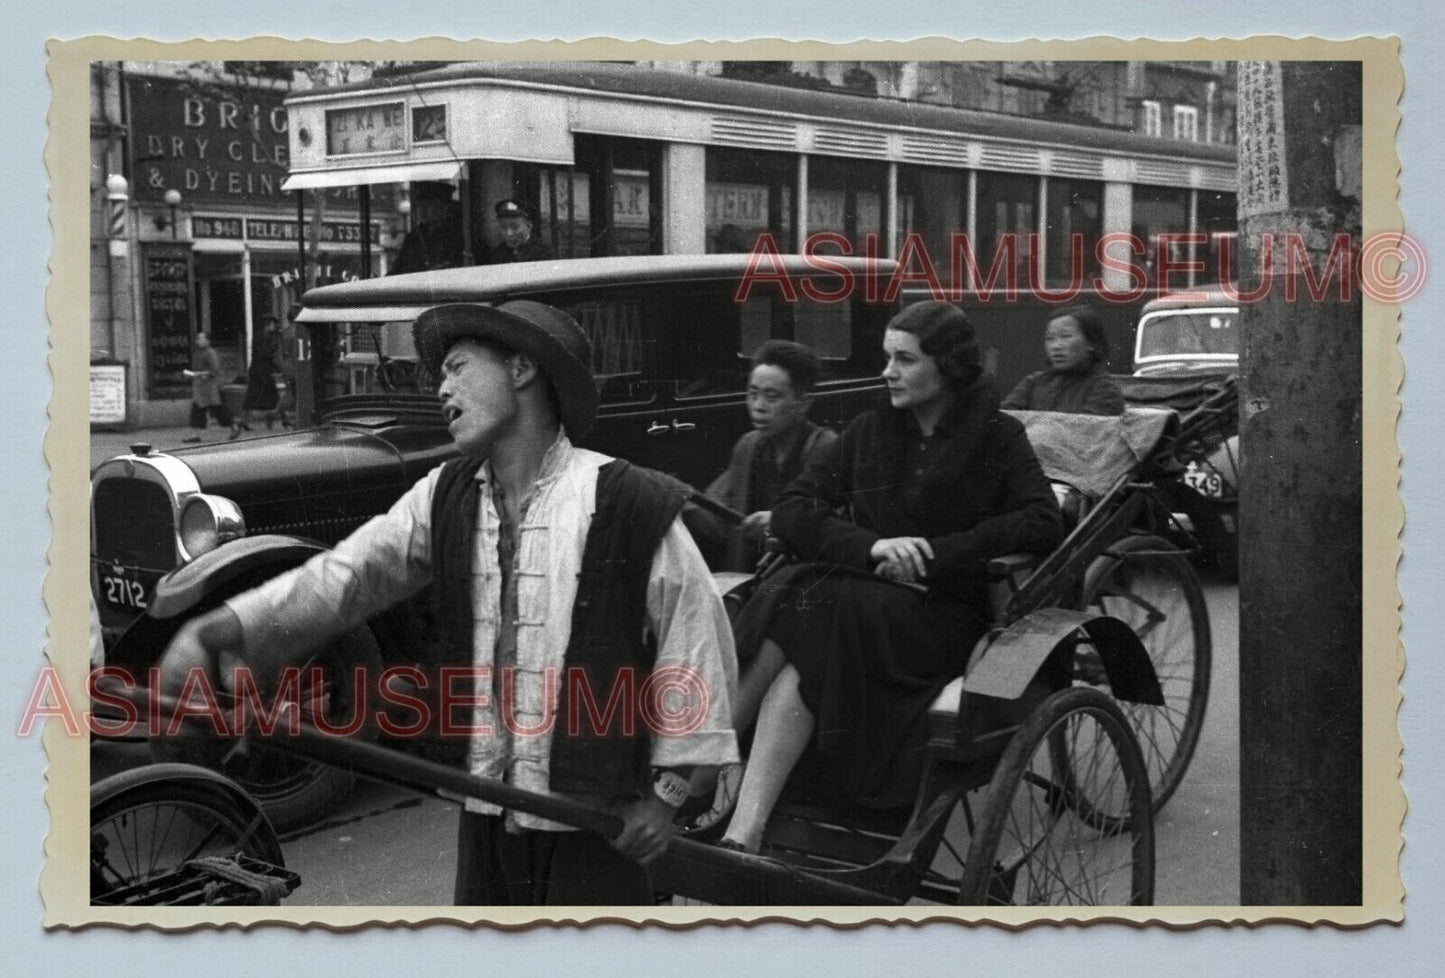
<point>704,818</point>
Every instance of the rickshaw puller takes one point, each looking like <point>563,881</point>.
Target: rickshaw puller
<point>542,557</point>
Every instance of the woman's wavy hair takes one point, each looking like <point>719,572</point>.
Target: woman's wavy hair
<point>1091,324</point>
<point>945,334</point>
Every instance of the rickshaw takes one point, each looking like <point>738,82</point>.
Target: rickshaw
<point>1074,720</point>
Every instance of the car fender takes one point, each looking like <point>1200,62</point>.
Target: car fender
<point>188,585</point>
<point>199,586</point>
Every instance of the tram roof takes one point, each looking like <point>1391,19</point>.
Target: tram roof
<point>408,294</point>
<point>633,80</point>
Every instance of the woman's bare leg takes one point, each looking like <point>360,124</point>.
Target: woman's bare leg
<point>784,728</point>
<point>755,682</point>
<point>753,685</point>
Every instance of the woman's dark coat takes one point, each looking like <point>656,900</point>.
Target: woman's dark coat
<point>871,655</point>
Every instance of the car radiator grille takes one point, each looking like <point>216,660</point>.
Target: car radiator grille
<point>133,524</point>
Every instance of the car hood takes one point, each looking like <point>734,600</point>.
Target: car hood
<point>318,482</point>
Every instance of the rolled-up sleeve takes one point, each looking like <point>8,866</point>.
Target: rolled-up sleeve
<point>385,561</point>
<point>696,667</point>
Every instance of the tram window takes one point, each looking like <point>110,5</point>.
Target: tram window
<point>1162,210</point>
<point>933,205</point>
<point>846,198</point>
<point>1218,218</point>
<point>1007,208</point>
<point>1075,207</point>
<point>749,194</point>
<point>565,206</point>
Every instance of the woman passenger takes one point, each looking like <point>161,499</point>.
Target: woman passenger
<point>937,483</point>
<point>1076,381</point>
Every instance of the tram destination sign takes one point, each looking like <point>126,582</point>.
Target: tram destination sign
<point>366,129</point>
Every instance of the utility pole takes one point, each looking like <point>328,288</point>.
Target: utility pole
<point>1300,499</point>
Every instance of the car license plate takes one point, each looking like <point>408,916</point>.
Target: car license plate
<point>123,587</point>
<point>1205,481</point>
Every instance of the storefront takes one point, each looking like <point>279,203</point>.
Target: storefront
<point>218,243</point>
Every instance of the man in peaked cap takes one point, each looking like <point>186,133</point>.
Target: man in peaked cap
<point>551,568</point>
<point>519,243</point>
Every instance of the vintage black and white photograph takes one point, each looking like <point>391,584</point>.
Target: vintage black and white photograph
<point>929,487</point>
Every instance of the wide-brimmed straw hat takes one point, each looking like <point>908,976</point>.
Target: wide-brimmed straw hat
<point>546,334</point>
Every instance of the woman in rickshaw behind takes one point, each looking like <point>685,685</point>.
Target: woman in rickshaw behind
<point>934,485</point>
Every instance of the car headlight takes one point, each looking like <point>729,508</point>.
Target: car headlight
<point>207,522</point>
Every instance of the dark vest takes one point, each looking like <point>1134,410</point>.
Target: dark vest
<point>594,751</point>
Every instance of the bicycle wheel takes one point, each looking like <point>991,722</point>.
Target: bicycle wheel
<point>147,823</point>
<point>1144,582</point>
<point>1035,844</point>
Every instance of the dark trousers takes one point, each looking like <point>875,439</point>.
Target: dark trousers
<point>220,412</point>
<point>497,868</point>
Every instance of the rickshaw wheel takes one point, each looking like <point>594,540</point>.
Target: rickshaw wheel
<point>1038,841</point>
<point>1151,587</point>
<point>148,829</point>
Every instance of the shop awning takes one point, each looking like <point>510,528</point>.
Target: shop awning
<point>395,173</point>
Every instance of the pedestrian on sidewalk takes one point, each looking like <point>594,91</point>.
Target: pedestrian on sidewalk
<point>261,396</point>
<point>205,375</point>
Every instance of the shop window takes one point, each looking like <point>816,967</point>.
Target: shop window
<point>1075,220</point>
<point>933,207</point>
<point>846,198</point>
<point>747,195</point>
<point>1008,206</point>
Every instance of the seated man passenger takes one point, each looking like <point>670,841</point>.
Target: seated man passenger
<point>783,440</point>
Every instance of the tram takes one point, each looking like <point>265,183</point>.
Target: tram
<point>1007,215</point>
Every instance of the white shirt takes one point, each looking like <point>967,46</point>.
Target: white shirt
<point>389,559</point>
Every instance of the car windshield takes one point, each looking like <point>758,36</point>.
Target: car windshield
<point>1189,332</point>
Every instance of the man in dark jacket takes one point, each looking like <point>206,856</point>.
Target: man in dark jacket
<point>519,242</point>
<point>557,573</point>
<point>783,440</point>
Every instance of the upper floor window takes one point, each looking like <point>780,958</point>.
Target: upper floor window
<point>1153,119</point>
<point>1186,122</point>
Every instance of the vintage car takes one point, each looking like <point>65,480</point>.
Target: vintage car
<point>671,340</point>
<point>1182,345</point>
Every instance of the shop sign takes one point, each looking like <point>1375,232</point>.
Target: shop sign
<point>332,232</point>
<point>217,143</point>
<point>167,302</point>
<point>208,226</point>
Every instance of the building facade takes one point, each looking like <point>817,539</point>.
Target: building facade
<point>191,231</point>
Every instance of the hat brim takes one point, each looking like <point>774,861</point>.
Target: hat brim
<point>438,328</point>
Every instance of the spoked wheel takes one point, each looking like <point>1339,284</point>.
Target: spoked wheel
<point>1151,587</point>
<point>296,791</point>
<point>146,824</point>
<point>1067,820</point>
